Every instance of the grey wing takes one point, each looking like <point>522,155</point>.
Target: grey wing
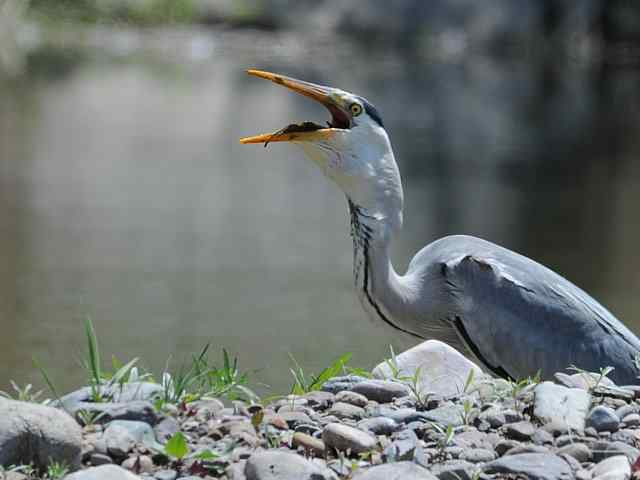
<point>518,317</point>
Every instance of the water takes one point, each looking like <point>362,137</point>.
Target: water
<point>125,197</point>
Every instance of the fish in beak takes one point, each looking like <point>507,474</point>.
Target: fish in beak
<point>305,131</point>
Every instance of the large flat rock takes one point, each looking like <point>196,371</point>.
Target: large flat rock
<point>560,405</point>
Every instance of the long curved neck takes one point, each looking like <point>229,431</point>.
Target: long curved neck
<point>383,293</point>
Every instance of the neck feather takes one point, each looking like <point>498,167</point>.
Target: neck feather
<point>381,290</point>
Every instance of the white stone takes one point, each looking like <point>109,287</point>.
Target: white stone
<point>103,472</point>
<point>561,405</point>
<point>612,468</point>
<point>443,370</point>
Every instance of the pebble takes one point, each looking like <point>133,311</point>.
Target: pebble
<point>345,438</point>
<point>477,455</point>
<point>446,415</point>
<point>579,451</point>
<point>566,408</point>
<point>280,465</point>
<point>118,441</point>
<point>631,420</point>
<point>454,470</point>
<point>522,431</point>
<point>612,468</point>
<point>603,419</point>
<point>97,459</point>
<point>139,464</point>
<point>352,397</point>
<point>379,425</point>
<point>535,466</point>
<point>604,449</point>
<point>166,475</point>
<point>346,410</point>
<point>103,472</point>
<point>338,384</point>
<point>403,447</point>
<point>320,400</point>
<point>310,444</point>
<point>295,418</point>
<point>395,471</point>
<point>166,428</point>
<point>382,391</point>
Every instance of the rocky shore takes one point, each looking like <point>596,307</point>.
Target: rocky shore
<point>427,413</point>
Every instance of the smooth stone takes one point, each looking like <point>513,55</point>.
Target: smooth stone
<point>477,455</point>
<point>106,412</point>
<point>471,439</point>
<point>166,428</point>
<point>36,434</point>
<point>280,465</point>
<point>443,370</point>
<point>394,471</point>
<point>320,400</point>
<point>579,451</point>
<point>402,448</point>
<point>632,420</point>
<point>627,409</point>
<point>504,446</point>
<point>583,380</point>
<point>603,419</point>
<point>166,475</point>
<point>542,437</point>
<point>604,449</point>
<point>402,415</point>
<point>345,438</point>
<point>132,391</point>
<point>527,448</point>
<point>454,470</point>
<point>338,384</point>
<point>346,410</point>
<point>308,443</point>
<point>353,398</point>
<point>118,441</point>
<point>446,415</point>
<point>617,393</point>
<point>97,459</point>
<point>382,391</point>
<point>206,409</point>
<point>612,468</point>
<point>561,406</point>
<point>138,464</point>
<point>494,416</point>
<point>293,419</point>
<point>522,431</point>
<point>379,425</point>
<point>535,466</point>
<point>140,431</point>
<point>103,472</point>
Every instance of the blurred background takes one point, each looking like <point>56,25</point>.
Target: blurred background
<point>125,196</point>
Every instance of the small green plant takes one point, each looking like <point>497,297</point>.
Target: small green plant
<point>56,470</point>
<point>446,437</point>
<point>392,363</point>
<point>89,418</point>
<point>602,374</point>
<point>176,447</point>
<point>468,410</point>
<point>302,384</point>
<point>414,383</point>
<point>23,394</point>
<point>516,387</point>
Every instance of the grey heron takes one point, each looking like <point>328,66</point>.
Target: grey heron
<point>514,315</point>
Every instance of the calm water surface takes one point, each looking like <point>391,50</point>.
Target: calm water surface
<point>125,197</point>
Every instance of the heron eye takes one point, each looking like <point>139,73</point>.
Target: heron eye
<point>356,109</point>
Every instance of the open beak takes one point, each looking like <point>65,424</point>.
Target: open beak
<point>306,131</point>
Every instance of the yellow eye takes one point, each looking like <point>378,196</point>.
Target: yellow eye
<point>356,109</point>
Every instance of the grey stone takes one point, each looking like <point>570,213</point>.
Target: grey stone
<point>345,438</point>
<point>206,409</point>
<point>614,393</point>
<point>448,414</point>
<point>346,410</point>
<point>443,370</point>
<point>37,434</point>
<point>138,464</point>
<point>503,446</point>
<point>166,428</point>
<point>140,431</point>
<point>604,449</point>
<point>395,471</point>
<point>132,391</point>
<point>379,425</point>
<point>106,412</point>
<point>280,465</point>
<point>338,384</point>
<point>119,441</point>
<point>632,420</point>
<point>308,443</point>
<point>494,416</point>
<point>471,439</point>
<point>536,466</point>
<point>97,459</point>
<point>166,475</point>
<point>527,448</point>
<point>579,451</point>
<point>477,455</point>
<point>542,437</point>
<point>404,415</point>
<point>320,400</point>
<point>583,380</point>
<point>561,406</point>
<point>522,431</point>
<point>294,419</point>
<point>352,397</point>
<point>103,472</point>
<point>453,470</point>
<point>382,391</point>
<point>603,419</point>
<point>612,468</point>
<point>403,447</point>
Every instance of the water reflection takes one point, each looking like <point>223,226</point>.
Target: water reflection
<point>125,196</point>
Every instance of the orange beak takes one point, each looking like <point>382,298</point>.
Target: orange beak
<point>305,132</point>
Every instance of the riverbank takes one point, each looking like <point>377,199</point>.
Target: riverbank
<point>423,414</point>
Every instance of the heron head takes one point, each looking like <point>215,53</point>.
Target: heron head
<point>353,150</point>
